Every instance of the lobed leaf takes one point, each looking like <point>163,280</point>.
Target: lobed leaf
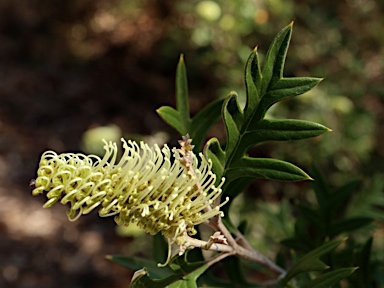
<point>244,129</point>
<point>275,58</point>
<point>284,88</point>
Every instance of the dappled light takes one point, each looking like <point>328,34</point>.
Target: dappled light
<point>74,72</point>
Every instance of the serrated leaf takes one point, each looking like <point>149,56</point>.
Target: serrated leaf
<point>203,121</point>
<point>265,168</point>
<point>328,279</point>
<point>172,118</point>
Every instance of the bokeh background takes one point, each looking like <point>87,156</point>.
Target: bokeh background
<point>72,72</point>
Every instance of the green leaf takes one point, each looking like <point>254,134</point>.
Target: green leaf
<point>364,274</point>
<point>285,130</point>
<point>136,263</point>
<point>349,224</point>
<point>233,119</point>
<point>153,276</point>
<point>322,190</point>
<point>172,118</point>
<point>284,88</point>
<point>252,82</point>
<point>160,248</point>
<point>313,217</point>
<point>264,87</point>
<point>189,281</point>
<point>180,119</point>
<point>182,101</point>
<point>325,248</point>
<point>341,197</point>
<point>265,168</point>
<point>234,188</point>
<point>275,58</point>
<point>279,130</point>
<point>213,151</point>
<point>203,121</point>
<point>310,261</point>
<point>328,279</point>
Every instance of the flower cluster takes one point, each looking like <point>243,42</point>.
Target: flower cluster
<point>149,186</point>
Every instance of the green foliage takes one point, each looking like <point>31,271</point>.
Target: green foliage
<point>180,119</point>
<point>311,262</point>
<point>328,219</point>
<point>317,226</point>
<point>180,273</point>
<point>329,279</point>
<point>247,128</point>
<point>318,229</point>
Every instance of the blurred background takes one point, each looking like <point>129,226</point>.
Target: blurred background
<point>73,72</point>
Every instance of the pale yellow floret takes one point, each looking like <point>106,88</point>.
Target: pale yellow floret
<point>148,186</point>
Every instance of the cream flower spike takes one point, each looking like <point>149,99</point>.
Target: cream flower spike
<point>158,189</point>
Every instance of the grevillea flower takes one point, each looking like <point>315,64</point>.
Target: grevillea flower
<point>158,189</point>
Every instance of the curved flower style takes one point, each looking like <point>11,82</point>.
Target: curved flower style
<point>145,187</point>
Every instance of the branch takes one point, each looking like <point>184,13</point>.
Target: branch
<point>228,244</point>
